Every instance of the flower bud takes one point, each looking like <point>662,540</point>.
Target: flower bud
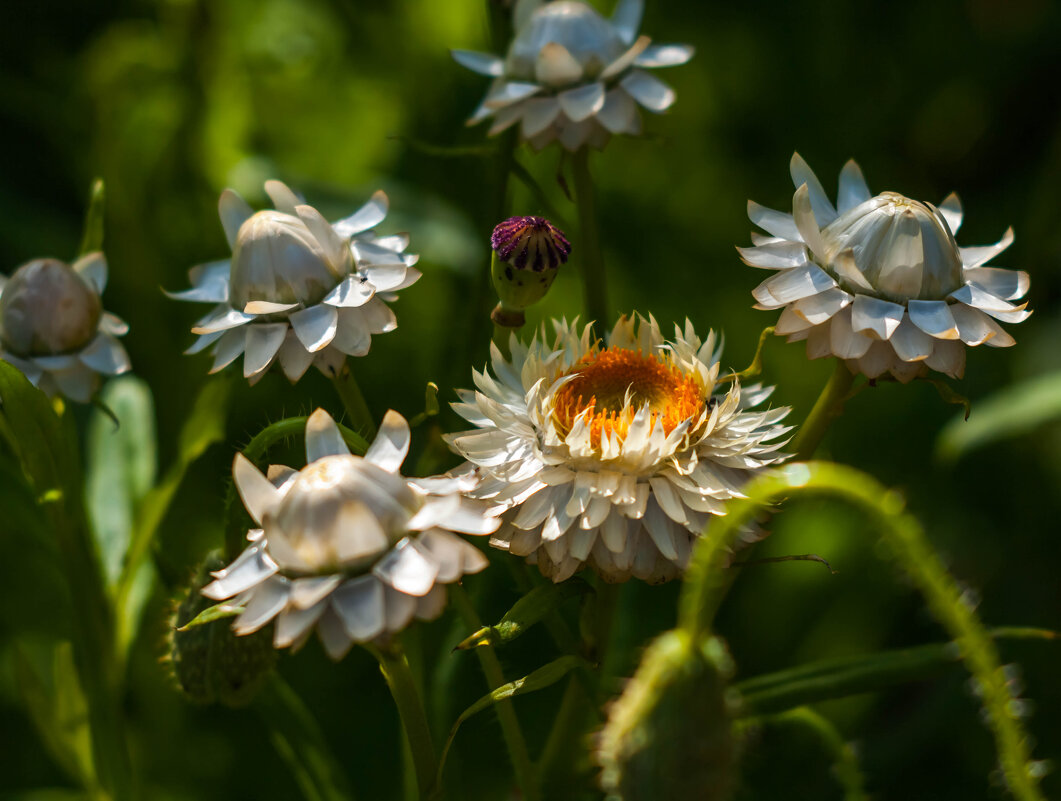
<point>210,663</point>
<point>669,733</point>
<point>529,252</point>
<point>592,41</point>
<point>47,309</point>
<point>278,259</point>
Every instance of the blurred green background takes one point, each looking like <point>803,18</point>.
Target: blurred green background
<point>173,100</point>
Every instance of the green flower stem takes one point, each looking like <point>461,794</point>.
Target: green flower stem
<point>354,401</point>
<point>402,684</point>
<point>828,407</point>
<point>564,743</point>
<point>706,582</point>
<point>594,279</point>
<point>506,713</point>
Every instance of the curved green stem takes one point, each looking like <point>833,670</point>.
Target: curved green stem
<point>706,582</point>
<point>506,713</point>
<point>354,401</point>
<point>826,409</point>
<point>594,278</point>
<point>402,684</point>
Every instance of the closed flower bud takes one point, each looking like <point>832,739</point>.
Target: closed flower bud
<point>669,734</point>
<point>47,309</point>
<point>529,252</point>
<point>210,663</point>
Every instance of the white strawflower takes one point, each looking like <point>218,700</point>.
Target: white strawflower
<point>880,281</point>
<point>298,289</point>
<point>54,329</point>
<point>612,456</point>
<point>346,544</point>
<point>572,75</point>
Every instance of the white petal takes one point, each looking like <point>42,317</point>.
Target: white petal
<point>668,499</point>
<point>234,212</point>
<point>221,318</point>
<point>948,358</point>
<point>511,92</point>
<point>844,342</point>
<point>294,359</point>
<point>482,63</point>
<point>315,327</point>
<point>447,550</point>
<point>853,189</point>
<point>555,66</point>
<point>398,608</point>
<point>1006,284</point>
<point>323,437</point>
<point>659,530</point>
<point>976,256</point>
<point>973,295</point>
<point>359,604</point>
<point>818,308</point>
<point>974,327</point>
<point>357,532</point>
<point>113,324</point>
<point>257,307</point>
<point>93,268</point>
<point>873,314</point>
<point>538,114</point>
<point>105,354</point>
<point>378,317</point>
<point>228,349</point>
<point>807,220</point>
<point>803,174</point>
<point>470,518</point>
<point>203,342</point>
<point>648,90</point>
<point>352,291</point>
<point>774,222</point>
<point>791,285</point>
<point>505,119</point>
<point>352,335</point>
<point>626,18</point>
<point>263,342</point>
<point>670,55</point>
<point>389,448</point>
<point>258,494</point>
<point>911,344</point>
<point>307,592</point>
<point>407,569</point>
<point>368,216</point>
<point>294,624</point>
<point>250,569</point>
<point>385,277</point>
<point>209,283</point>
<point>775,256</point>
<point>617,112</point>
<point>951,211</point>
<point>431,605</point>
<point>582,101</point>
<point>333,634</point>
<point>335,248</point>
<point>283,198</point>
<point>626,60</point>
<point>265,603</point>
<point>933,317</point>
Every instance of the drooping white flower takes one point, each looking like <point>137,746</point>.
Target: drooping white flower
<point>880,281</point>
<point>298,289</point>
<point>54,329</point>
<point>347,545</point>
<point>614,457</point>
<point>573,76</point>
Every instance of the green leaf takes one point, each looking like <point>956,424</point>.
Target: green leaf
<point>527,611</point>
<point>204,426</point>
<point>92,238</point>
<point>1018,409</point>
<point>837,678</point>
<point>210,614</point>
<point>538,680</point>
<point>121,467</point>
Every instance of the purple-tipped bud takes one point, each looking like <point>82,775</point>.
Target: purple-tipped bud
<point>530,243</point>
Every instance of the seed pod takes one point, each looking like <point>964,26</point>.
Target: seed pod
<point>528,254</point>
<point>669,734</point>
<point>209,662</point>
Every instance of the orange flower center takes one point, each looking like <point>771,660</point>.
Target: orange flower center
<point>611,385</point>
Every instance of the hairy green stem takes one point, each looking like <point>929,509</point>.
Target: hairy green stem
<point>594,279</point>
<point>402,684</point>
<point>828,407</point>
<point>506,713</point>
<point>706,582</point>
<point>354,401</point>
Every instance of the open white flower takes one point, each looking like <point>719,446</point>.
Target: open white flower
<point>298,289</point>
<point>346,544</point>
<point>573,76</point>
<point>617,456</point>
<point>880,281</point>
<point>54,329</point>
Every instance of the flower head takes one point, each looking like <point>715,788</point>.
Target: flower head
<point>346,544</point>
<point>53,327</point>
<point>529,252</point>
<point>572,75</point>
<point>880,281</point>
<point>298,289</point>
<point>614,456</point>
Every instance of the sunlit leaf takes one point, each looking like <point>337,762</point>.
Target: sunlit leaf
<point>210,614</point>
<point>527,611</point>
<point>92,236</point>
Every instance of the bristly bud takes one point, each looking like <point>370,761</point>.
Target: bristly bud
<point>210,663</point>
<point>529,252</point>
<point>669,734</point>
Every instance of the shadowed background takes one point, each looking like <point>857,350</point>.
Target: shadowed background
<point>172,101</point>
